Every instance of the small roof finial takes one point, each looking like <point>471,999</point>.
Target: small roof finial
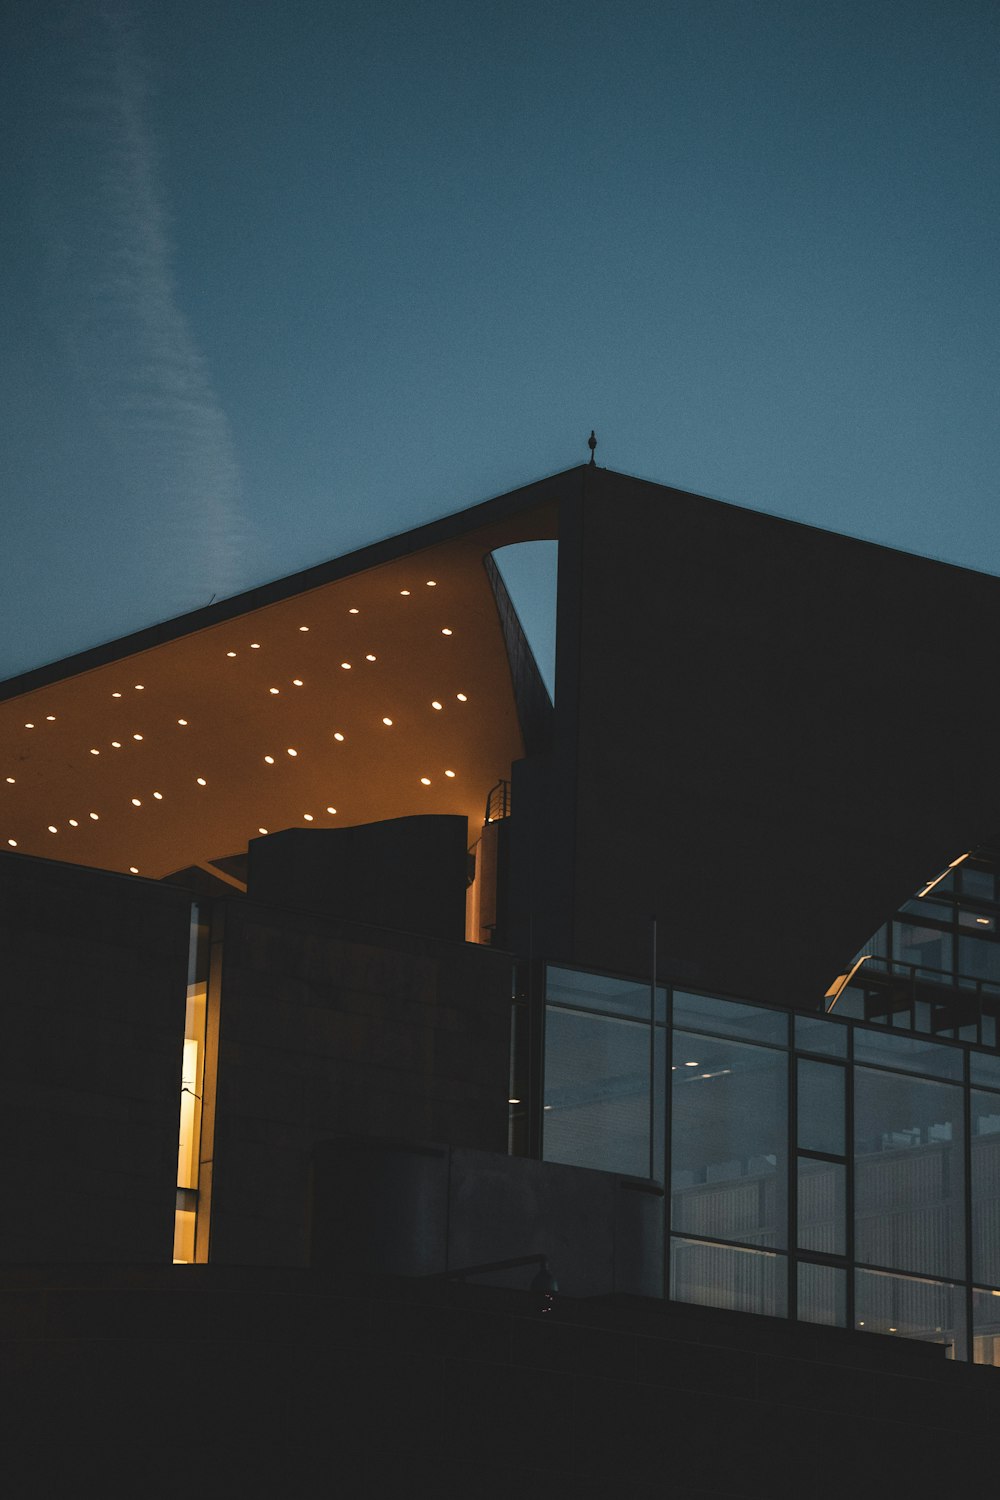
<point>592,444</point>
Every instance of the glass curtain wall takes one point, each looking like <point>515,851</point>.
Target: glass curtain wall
<point>820,1168</point>
<point>192,1092</point>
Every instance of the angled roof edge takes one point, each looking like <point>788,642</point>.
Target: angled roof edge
<point>445,529</point>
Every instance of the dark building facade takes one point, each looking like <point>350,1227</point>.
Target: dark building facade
<point>348,971</point>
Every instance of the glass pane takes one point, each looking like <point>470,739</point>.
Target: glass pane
<point>884,1048</point>
<point>979,884</point>
<point>753,1022</point>
<point>977,921</point>
<point>984,1069</point>
<point>985,1153</point>
<point>978,959</point>
<point>936,911</point>
<point>822,1295</point>
<point>597,1092</point>
<point>932,1311</point>
<point>908,1176</point>
<point>815,1034</point>
<point>723,1276</point>
<point>730,1119</point>
<point>585,991</point>
<point>927,948</point>
<point>821,1107</point>
<point>822,1206</point>
<point>985,1327</point>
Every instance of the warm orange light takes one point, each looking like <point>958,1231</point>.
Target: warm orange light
<point>182,721</point>
<point>230,653</point>
<point>461,698</point>
<point>136,802</point>
<point>255,645</point>
<point>432,583</point>
<point>346,666</point>
<point>303,627</point>
<point>296,682</point>
<point>137,736</point>
<point>269,759</point>
<point>425,781</point>
<point>94,816</point>
<point>369,657</point>
<point>139,687</point>
<point>133,869</point>
<point>274,690</point>
<point>308,817</point>
<point>95,752</point>
<point>337,735</point>
<point>446,631</point>
<point>116,744</point>
<point>291,751</point>
<point>73,823</point>
<point>29,726</point>
<point>331,809</point>
<point>386,721</point>
<point>10,780</point>
<point>12,843</point>
<point>51,718</point>
<point>449,773</point>
<point>405,593</point>
<point>158,796</point>
<point>261,830</point>
<point>435,704</point>
<point>116,695</point>
<point>53,828</point>
<point>201,781</point>
<point>352,611</point>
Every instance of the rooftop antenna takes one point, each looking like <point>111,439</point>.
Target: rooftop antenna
<point>592,444</point>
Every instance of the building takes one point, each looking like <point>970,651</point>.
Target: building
<point>338,955</point>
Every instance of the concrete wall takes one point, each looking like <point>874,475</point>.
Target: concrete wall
<point>93,972</point>
<point>329,1029</point>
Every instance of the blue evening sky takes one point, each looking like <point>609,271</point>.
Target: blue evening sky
<point>281,277</point>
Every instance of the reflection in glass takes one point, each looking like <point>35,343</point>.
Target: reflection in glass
<point>821,1107</point>
<point>978,958</point>
<point>597,1093</point>
<point>911,1054</point>
<point>984,1069</point>
<point>908,1183</point>
<point>822,1292</point>
<point>724,1276</point>
<point>912,1308</point>
<point>729,1155</point>
<point>985,1153</point>
<point>927,948</point>
<point>752,1022</point>
<point>585,991</point>
<point>815,1034</point>
<point>986,1327</point>
<point>822,1202</point>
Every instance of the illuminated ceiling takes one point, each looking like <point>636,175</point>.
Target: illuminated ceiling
<point>379,694</point>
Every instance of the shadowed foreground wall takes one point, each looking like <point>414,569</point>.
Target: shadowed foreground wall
<point>94,973</point>
<point>330,1029</point>
<point>209,1381</point>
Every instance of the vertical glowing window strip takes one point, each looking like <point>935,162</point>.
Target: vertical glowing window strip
<point>192,1092</point>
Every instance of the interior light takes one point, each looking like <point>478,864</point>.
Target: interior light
<point>404,592</point>
<point>73,823</point>
<point>269,759</point>
<point>425,781</point>
<point>331,810</point>
<point>53,828</point>
<point>513,1101</point>
<point>182,721</point>
<point>137,736</point>
<point>461,698</point>
<point>892,1330</point>
<point>29,726</point>
<point>116,695</point>
<point>352,611</point>
<point>308,817</point>
<point>51,718</point>
<point>303,627</point>
<point>690,1065</point>
<point>136,802</point>
<point>116,744</point>
<point>369,657</point>
<point>273,690</point>
<point>139,687</point>
<point>94,816</point>
<point>12,843</point>
<point>296,682</point>
<point>158,796</point>
<point>983,921</point>
<point>201,781</point>
<point>337,735</point>
<point>432,583</point>
<point>446,631</point>
<point>230,653</point>
<point>346,666</point>
<point>449,773</point>
<point>261,830</point>
<point>10,780</point>
<point>291,751</point>
<point>387,721</point>
<point>255,645</point>
<point>95,752</point>
<point>435,704</point>
<point>133,869</point>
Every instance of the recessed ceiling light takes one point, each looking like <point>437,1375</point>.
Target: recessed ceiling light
<point>255,645</point>
<point>308,817</point>
<point>116,695</point>
<point>296,682</point>
<point>116,744</point>
<point>690,1064</point>
<point>136,802</point>
<point>12,843</point>
<point>425,781</point>
<point>95,752</point>
<point>346,666</point>
<point>137,736</point>
<point>352,611</point>
<point>274,690</point>
<point>158,796</point>
<point>73,823</point>
<point>405,593</point>
<point>182,721</point>
<point>387,721</point>
<point>291,751</point>
<point>269,759</point>
<point>10,780</point>
<point>445,631</point>
<point>53,828</point>
<point>432,583</point>
<point>338,735</point>
<point>230,653</point>
<point>51,718</point>
<point>369,657</point>
<point>94,816</point>
<point>201,781</point>
<point>133,869</point>
<point>303,627</point>
<point>139,687</point>
<point>331,809</point>
<point>449,773</point>
<point>29,726</point>
<point>261,830</point>
<point>461,698</point>
<point>435,704</point>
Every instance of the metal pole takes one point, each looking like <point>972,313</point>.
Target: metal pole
<point>652,1052</point>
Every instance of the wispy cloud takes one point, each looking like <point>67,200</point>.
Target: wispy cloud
<point>116,299</point>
